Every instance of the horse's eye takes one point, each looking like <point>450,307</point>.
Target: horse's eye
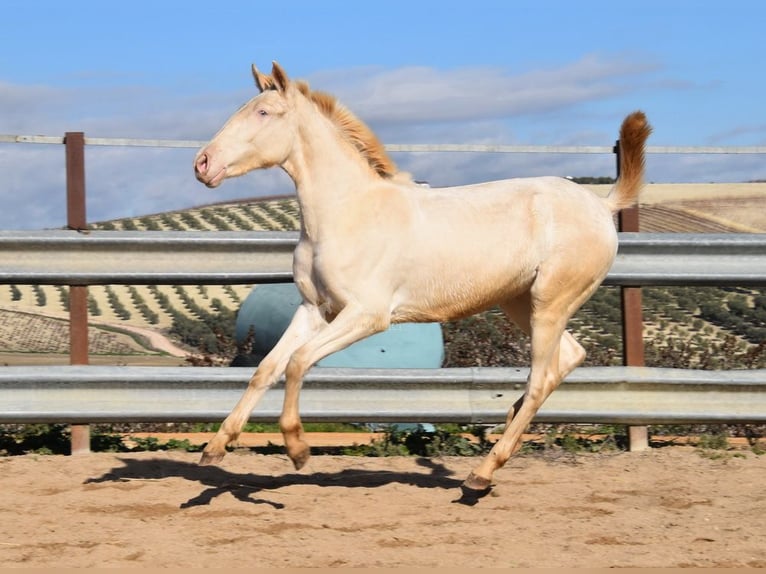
<point>263,112</point>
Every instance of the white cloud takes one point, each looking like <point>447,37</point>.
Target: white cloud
<point>423,95</point>
<point>754,134</point>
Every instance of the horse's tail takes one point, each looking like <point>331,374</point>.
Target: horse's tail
<point>634,132</point>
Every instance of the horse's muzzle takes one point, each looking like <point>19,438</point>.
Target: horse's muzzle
<point>204,173</point>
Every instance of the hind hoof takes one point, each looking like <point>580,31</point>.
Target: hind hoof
<point>473,489</point>
<point>210,458</point>
<point>478,485</point>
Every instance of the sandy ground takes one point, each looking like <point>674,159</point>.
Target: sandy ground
<point>668,507</point>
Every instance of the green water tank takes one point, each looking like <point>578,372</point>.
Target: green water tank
<point>267,311</point>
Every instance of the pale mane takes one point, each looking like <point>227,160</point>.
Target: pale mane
<point>354,130</point>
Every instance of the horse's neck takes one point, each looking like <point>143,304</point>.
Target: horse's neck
<point>328,175</point>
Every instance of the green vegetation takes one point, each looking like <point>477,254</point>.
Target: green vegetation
<point>117,306</point>
<point>261,221</point>
<point>40,297</point>
<point>276,214</point>
<point>445,440</point>
<point>64,297</point>
<point>239,222</point>
<point>56,439</point>
<point>682,336</point>
<point>128,225</point>
<point>151,317</point>
<point>215,220</point>
<point>40,439</point>
<point>93,308</point>
<point>191,222</point>
<point>171,223</point>
<point>150,224</point>
<point>211,332</point>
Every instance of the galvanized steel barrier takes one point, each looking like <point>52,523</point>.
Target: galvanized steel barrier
<point>619,395</point>
<point>61,257</point>
<point>622,395</point>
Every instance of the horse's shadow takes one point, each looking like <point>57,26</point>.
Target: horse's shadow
<point>251,487</point>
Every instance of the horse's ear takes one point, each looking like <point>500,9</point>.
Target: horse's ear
<point>279,76</point>
<point>262,81</point>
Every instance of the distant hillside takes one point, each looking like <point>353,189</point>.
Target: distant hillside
<point>270,214</point>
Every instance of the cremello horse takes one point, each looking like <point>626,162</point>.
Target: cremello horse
<point>376,249</point>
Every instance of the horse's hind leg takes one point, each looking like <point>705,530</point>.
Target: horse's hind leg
<point>571,355</point>
<point>555,354</point>
<point>543,378</point>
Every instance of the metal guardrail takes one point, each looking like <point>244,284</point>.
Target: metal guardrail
<point>62,257</point>
<point>715,259</point>
<point>616,395</point>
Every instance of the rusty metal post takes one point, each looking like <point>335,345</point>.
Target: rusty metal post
<point>633,331</point>
<point>632,319</point>
<point>78,294</point>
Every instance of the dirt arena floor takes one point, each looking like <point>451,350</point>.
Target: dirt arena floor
<point>667,507</point>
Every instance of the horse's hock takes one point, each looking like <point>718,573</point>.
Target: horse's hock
<point>268,309</point>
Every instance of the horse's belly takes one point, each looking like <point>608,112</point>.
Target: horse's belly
<point>443,295</point>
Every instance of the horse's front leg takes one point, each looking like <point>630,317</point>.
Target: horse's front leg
<point>351,325</point>
<point>306,322</point>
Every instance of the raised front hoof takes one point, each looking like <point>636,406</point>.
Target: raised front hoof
<point>211,458</point>
<point>473,488</point>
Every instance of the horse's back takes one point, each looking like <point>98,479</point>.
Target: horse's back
<point>534,206</point>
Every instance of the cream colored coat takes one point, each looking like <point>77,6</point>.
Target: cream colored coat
<point>377,249</point>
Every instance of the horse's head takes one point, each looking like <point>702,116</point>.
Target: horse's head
<point>259,135</point>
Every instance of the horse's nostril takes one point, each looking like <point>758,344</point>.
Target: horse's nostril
<point>201,164</point>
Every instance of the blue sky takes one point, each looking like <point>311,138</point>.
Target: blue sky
<point>543,72</point>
